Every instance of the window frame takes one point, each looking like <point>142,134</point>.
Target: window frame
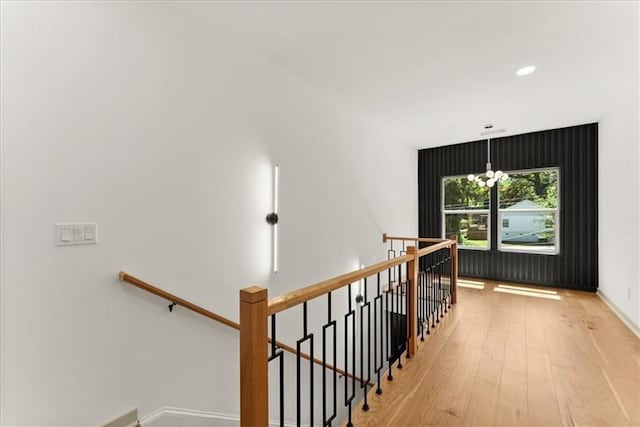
<point>556,210</point>
<point>444,212</point>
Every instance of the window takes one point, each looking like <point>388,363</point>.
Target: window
<point>465,212</point>
<point>528,212</point>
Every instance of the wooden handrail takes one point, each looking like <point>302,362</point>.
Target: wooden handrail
<point>298,296</point>
<point>385,237</point>
<point>293,298</point>
<point>127,278</point>
<point>434,248</point>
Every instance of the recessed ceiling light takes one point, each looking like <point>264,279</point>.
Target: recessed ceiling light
<point>526,70</point>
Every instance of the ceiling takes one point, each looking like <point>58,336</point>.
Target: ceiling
<point>433,73</point>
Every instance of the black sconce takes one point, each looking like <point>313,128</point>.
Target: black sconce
<point>272,218</point>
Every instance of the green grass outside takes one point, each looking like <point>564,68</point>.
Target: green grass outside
<point>474,243</point>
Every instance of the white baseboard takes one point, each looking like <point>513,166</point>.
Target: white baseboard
<point>180,417</point>
<point>625,319</point>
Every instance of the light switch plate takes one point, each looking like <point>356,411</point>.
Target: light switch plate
<point>76,234</point>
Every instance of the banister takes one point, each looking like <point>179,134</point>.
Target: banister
<point>298,296</point>
<point>127,278</point>
<point>418,294</point>
<point>386,237</point>
<point>434,248</point>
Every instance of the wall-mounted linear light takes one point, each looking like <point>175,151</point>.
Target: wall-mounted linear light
<point>272,219</point>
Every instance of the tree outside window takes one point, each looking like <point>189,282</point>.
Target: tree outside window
<point>465,212</point>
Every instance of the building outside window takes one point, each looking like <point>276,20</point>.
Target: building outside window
<point>528,212</point>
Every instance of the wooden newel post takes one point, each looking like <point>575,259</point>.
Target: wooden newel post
<point>412,303</point>
<point>254,374</point>
<point>454,269</point>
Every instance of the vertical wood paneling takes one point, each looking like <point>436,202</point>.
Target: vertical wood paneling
<point>574,150</point>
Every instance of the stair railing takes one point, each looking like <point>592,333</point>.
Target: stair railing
<point>422,241</point>
<point>407,293</point>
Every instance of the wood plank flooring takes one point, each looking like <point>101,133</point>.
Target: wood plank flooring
<point>538,357</point>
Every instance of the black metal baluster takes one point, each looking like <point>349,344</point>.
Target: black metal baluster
<point>425,284</point>
<point>378,334</point>
<point>444,282</point>
<point>428,280</point>
<point>365,381</point>
<point>434,305</point>
<point>388,336</point>
<point>348,400</point>
<point>420,314</point>
<point>324,362</point>
<point>428,303</point>
<point>398,316</point>
<point>436,289</point>
<point>423,310</point>
<point>353,353</point>
<point>444,267</point>
<point>428,293</point>
<point>330,324</point>
<point>408,314</point>
<point>298,386</point>
<point>391,251</point>
<point>440,264</point>
<point>425,302</point>
<point>450,278</point>
<point>277,353</point>
<point>307,337</point>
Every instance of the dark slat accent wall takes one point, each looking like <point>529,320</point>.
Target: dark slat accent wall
<point>575,151</point>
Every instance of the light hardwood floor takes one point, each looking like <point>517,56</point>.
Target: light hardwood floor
<point>556,357</point>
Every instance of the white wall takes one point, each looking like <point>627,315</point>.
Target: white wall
<point>164,132</point>
<point>619,192</point>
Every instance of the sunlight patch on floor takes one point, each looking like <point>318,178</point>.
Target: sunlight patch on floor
<point>472,284</point>
<point>520,288</point>
<point>527,292</point>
